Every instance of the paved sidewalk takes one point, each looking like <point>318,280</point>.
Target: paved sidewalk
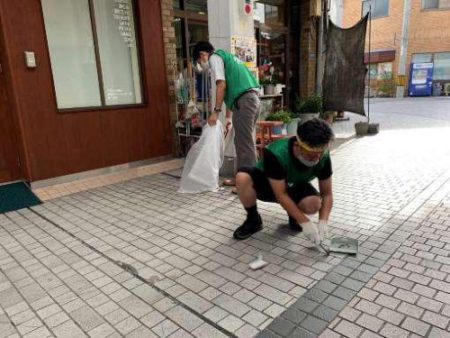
<point>137,259</point>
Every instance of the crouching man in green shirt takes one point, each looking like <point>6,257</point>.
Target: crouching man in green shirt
<point>284,174</point>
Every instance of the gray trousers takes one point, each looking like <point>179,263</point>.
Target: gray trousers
<point>245,115</point>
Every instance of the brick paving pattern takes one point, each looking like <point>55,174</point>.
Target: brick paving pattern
<point>136,259</point>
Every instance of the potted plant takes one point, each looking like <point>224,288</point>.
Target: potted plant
<point>293,123</point>
<point>268,84</point>
<point>309,108</point>
<point>279,115</point>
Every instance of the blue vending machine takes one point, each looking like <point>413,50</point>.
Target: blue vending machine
<point>421,79</point>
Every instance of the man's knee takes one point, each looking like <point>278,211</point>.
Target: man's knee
<point>310,205</point>
<point>243,180</point>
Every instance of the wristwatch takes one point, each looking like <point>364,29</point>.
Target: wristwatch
<point>217,110</point>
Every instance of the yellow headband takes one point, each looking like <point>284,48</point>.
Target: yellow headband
<point>309,148</point>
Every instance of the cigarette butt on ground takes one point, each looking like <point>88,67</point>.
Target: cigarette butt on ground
<point>259,263</point>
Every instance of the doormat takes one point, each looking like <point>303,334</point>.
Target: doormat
<point>16,196</point>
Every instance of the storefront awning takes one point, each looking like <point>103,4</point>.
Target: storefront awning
<point>379,56</point>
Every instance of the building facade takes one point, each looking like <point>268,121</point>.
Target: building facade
<point>91,84</point>
<point>428,40</point>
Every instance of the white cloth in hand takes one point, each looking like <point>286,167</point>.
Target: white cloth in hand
<point>323,229</point>
<point>311,232</point>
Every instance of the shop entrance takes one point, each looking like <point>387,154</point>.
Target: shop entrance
<point>9,156</point>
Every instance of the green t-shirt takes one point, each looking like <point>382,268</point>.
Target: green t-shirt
<point>279,163</point>
<point>238,77</point>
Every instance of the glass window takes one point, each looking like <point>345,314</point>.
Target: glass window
<point>72,53</point>
<point>427,4</point>
<point>176,4</point>
<point>118,51</point>
<point>385,70</point>
<point>441,66</point>
<point>199,6</point>
<point>379,7</point>
<point>373,70</point>
<point>422,57</point>
<point>93,68</point>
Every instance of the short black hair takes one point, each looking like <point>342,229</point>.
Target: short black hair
<point>315,132</point>
<point>202,46</point>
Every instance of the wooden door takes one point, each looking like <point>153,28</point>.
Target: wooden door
<point>9,157</point>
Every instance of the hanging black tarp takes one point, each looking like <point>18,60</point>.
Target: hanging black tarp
<point>345,72</point>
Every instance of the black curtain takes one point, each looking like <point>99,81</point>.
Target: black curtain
<point>345,72</point>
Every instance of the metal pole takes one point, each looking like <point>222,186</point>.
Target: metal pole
<point>319,62</point>
<point>368,87</point>
<point>401,72</point>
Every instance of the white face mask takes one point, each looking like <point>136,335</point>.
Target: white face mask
<point>307,162</point>
<point>205,65</point>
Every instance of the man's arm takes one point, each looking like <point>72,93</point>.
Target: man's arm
<point>326,192</point>
<point>220,92</point>
<point>280,192</point>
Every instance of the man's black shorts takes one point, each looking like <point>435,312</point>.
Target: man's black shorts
<point>265,193</point>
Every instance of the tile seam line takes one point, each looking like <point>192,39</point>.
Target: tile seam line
<point>176,301</point>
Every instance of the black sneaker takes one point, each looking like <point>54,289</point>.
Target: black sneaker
<point>293,225</point>
<point>248,228</point>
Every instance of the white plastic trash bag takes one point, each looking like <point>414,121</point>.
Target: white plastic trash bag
<point>203,162</point>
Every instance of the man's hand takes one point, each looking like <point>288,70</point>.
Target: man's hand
<point>228,125</point>
<point>323,229</point>
<point>311,232</point>
<point>212,119</point>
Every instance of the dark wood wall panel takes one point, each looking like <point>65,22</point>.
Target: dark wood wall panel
<point>64,143</point>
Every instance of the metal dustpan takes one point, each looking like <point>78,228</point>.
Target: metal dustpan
<point>344,245</point>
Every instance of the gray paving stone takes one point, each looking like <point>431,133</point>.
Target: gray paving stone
<point>294,315</point>
<point>232,305</point>
<point>305,305</point>
<point>370,322</point>
<point>348,329</point>
<point>353,284</point>
<point>415,325</point>
<point>300,332</point>
<point>184,318</point>
<point>387,301</point>
<point>314,324</point>
<point>429,304</point>
<point>272,294</point>
<point>390,316</point>
<point>351,263</point>
<point>375,261</point>
<point>267,334</point>
<point>316,295</point>
<point>87,318</point>
<point>438,333</point>
<point>361,276</point>
<point>335,278</point>
<point>325,313</point>
<point>196,302</point>
<point>326,286</point>
<point>344,293</point>
<point>435,319</point>
<point>335,303</point>
<point>246,331</point>
<point>367,268</point>
<point>255,318</point>
<point>410,310</point>
<point>368,307</point>
<point>281,327</point>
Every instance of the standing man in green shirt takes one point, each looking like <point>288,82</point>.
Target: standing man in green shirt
<point>284,174</point>
<point>238,88</point>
